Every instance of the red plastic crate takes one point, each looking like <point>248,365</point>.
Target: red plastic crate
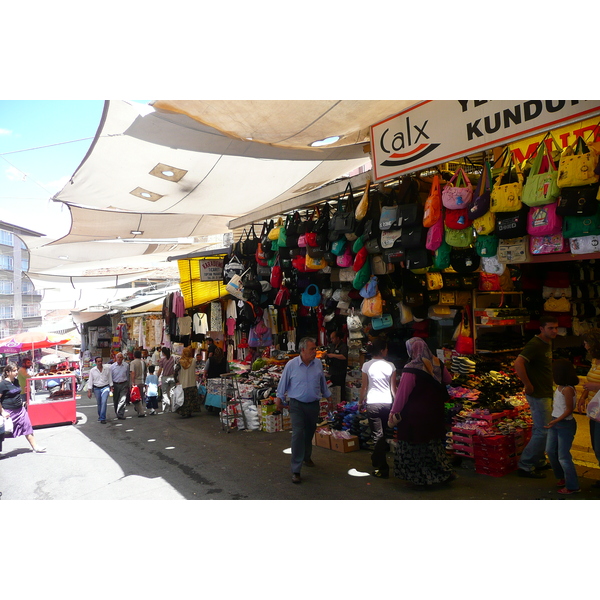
<point>494,440</point>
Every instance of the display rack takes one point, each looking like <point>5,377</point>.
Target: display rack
<point>52,399</point>
<point>492,313</point>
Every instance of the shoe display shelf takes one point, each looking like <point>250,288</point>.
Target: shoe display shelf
<point>501,313</point>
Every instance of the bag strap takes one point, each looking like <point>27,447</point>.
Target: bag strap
<point>349,201</point>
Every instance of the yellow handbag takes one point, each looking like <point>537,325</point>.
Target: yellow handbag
<point>363,205</point>
<point>274,233</point>
<point>486,224</point>
<point>507,197</point>
<point>557,305</point>
<point>576,167</point>
<point>447,298</point>
<point>372,307</point>
<point>435,281</point>
<point>315,264</point>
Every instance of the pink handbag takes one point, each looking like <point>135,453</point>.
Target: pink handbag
<point>457,197</point>
<point>435,235</point>
<point>543,220</point>
<point>346,259</point>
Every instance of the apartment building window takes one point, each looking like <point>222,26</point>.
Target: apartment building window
<point>31,310</point>
<point>6,238</point>
<point>6,312</point>
<point>6,286</point>
<point>6,263</point>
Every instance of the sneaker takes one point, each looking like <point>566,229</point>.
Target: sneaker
<point>567,492</point>
<point>531,474</point>
<point>39,449</point>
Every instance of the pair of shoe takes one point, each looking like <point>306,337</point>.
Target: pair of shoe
<point>567,492</point>
<point>120,418</point>
<point>103,422</point>
<point>39,449</point>
<point>531,474</point>
<point>309,463</point>
<point>296,478</point>
<point>152,413</point>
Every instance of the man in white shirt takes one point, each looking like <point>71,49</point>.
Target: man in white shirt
<point>100,381</point>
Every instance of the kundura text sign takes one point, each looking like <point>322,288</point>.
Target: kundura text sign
<point>211,269</point>
<point>437,131</point>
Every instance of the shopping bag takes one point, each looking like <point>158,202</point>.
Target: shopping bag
<point>593,408</point>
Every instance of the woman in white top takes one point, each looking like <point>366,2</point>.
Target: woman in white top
<point>562,428</point>
<point>378,390</point>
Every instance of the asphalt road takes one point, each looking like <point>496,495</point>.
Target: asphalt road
<point>165,457</point>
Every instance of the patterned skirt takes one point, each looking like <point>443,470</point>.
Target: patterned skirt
<point>191,402</point>
<point>422,464</point>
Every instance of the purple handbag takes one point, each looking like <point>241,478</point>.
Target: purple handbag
<point>480,204</point>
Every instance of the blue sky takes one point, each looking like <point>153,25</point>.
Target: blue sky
<point>38,154</point>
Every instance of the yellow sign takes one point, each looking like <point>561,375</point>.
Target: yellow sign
<point>564,136</point>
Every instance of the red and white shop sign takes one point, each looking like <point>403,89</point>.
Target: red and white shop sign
<point>436,131</point>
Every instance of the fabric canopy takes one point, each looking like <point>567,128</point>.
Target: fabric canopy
<point>184,169</point>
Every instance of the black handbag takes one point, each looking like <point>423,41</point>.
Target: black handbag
<point>578,201</point>
<point>413,237</point>
<point>512,224</point>
<point>409,215</point>
<point>464,260</point>
<point>264,234</point>
<point>393,255</point>
<point>250,244</point>
<point>373,246</point>
<point>344,220</point>
<point>418,258</point>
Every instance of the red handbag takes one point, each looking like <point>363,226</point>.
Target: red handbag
<point>283,297</point>
<point>457,218</point>
<point>134,394</point>
<point>465,343</point>
<point>276,275</point>
<point>360,259</point>
<point>489,282</point>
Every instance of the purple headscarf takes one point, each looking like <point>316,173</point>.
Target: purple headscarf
<point>421,357</point>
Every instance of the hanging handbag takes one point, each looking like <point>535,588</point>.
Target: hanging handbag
<point>577,165</point>
<point>413,237</point>
<point>460,195</point>
<point>489,282</point>
<point>410,215</point>
<point>362,276</point>
<point>315,263</point>
<point>433,205</point>
<point>363,206</point>
<point>441,257</point>
<point>373,306</point>
<point>581,226</point>
<point>459,238</point>
<point>273,234</point>
<point>457,218</point>
<point>507,197</point>
<point>511,224</point>
<point>311,296</point>
<point>512,251</point>
<point>346,259</point>
<point>393,255</point>
<point>250,244</point>
<point>435,235</point>
<point>379,266</point>
<point>276,275</point>
<point>382,322</point>
<point>541,186</point>
<point>557,305</point>
<point>544,220</point>
<point>548,244</point>
<point>447,298</point>
<point>360,259</point>
<point>486,224</point>
<point>417,258</point>
<point>578,201</point>
<point>464,260</point>
<point>344,219</point>
<point>283,297</point>
<point>391,238</point>
<point>480,204</point>
<point>486,245</point>
<point>233,267</point>
<point>373,246</point>
<point>370,288</point>
<point>434,281</point>
<point>491,264</point>
<point>585,245</point>
<point>465,343</point>
<point>339,246</point>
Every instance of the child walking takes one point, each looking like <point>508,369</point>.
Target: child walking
<point>151,391</point>
<point>562,427</point>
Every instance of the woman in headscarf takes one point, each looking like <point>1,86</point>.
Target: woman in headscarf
<point>421,457</point>
<point>185,375</point>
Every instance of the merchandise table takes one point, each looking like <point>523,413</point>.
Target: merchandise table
<point>51,399</point>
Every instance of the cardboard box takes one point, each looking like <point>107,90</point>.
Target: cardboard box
<point>272,423</point>
<point>345,444</point>
<point>322,440</point>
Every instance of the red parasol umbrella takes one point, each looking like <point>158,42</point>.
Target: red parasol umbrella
<point>30,340</point>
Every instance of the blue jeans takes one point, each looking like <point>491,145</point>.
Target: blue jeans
<point>595,437</point>
<point>304,417</point>
<point>533,454</point>
<point>560,440</point>
<point>102,400</point>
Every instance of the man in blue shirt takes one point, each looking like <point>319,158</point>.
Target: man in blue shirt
<point>304,383</point>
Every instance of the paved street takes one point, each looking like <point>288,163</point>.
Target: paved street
<point>166,457</point>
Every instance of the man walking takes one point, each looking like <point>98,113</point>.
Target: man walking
<point>100,382</point>
<point>304,383</point>
<point>534,368</point>
<point>120,378</point>
<point>138,377</point>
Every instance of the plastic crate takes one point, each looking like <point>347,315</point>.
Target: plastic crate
<point>495,471</point>
<point>506,441</point>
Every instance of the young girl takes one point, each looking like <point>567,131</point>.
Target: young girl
<point>563,426</point>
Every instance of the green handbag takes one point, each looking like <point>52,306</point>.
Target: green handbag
<point>459,238</point>
<point>362,276</point>
<point>486,245</point>
<point>339,246</point>
<point>282,239</point>
<point>576,226</point>
<point>441,257</point>
<point>541,188</point>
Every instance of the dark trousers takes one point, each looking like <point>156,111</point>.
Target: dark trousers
<point>339,379</point>
<point>120,396</point>
<point>304,417</point>
<point>378,415</point>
